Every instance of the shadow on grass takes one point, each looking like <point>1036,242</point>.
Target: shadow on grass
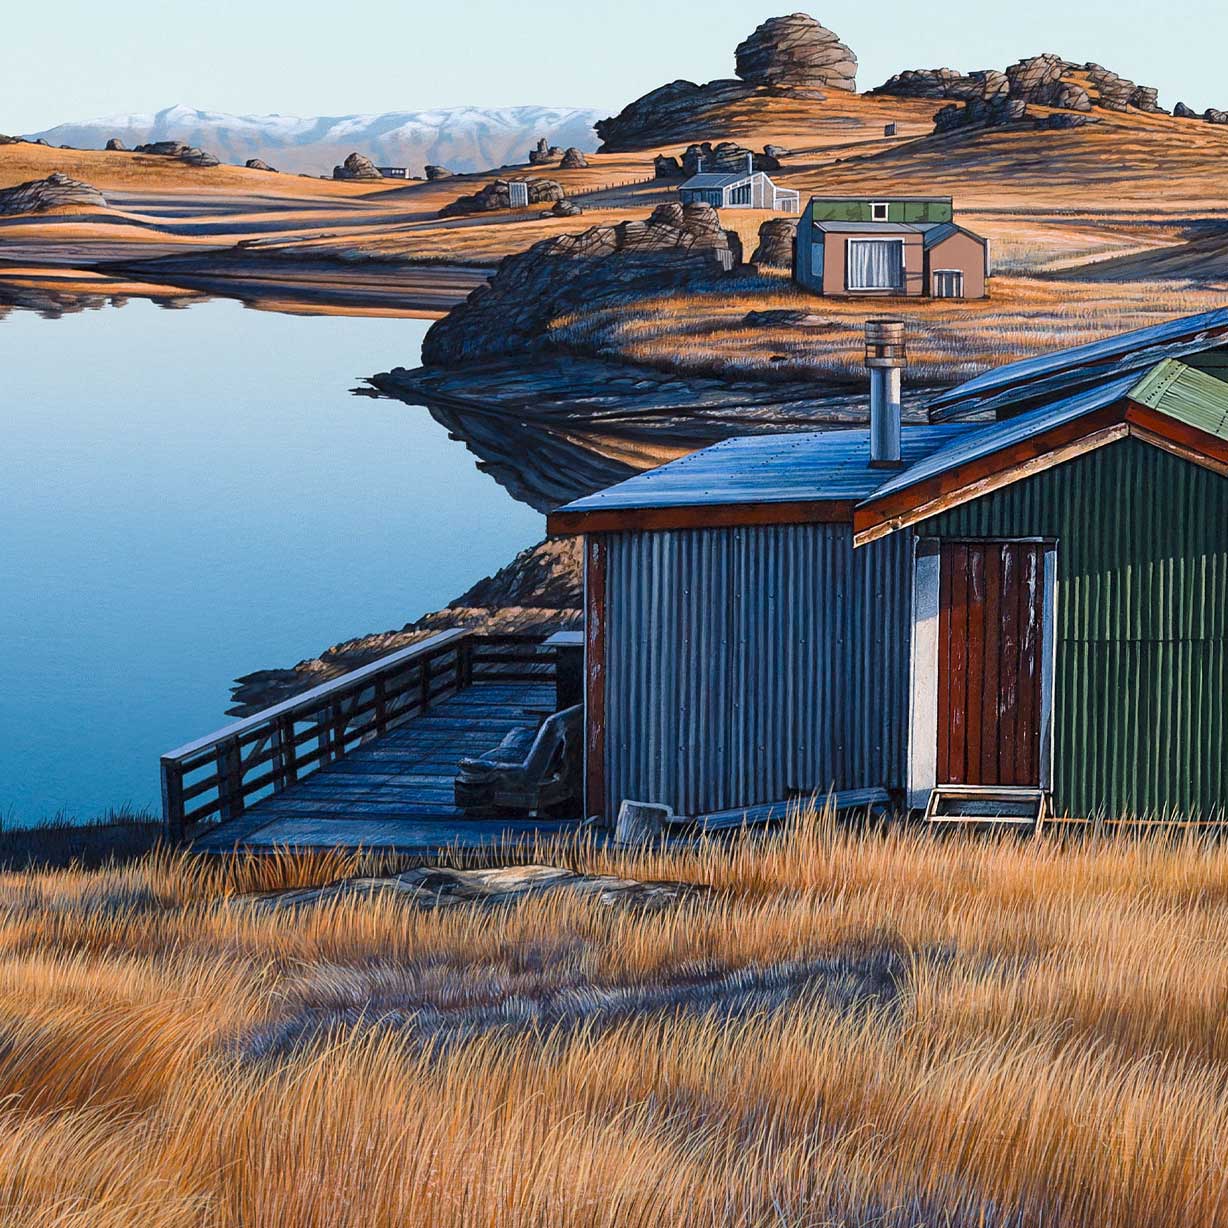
<point>115,837</point>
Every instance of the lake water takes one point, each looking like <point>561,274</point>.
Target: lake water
<point>189,495</point>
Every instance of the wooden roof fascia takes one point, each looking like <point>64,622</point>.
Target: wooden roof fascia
<point>1056,447</point>
<point>874,519</point>
<point>700,516</point>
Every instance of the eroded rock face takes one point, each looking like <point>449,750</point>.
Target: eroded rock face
<point>726,157</point>
<point>356,166</point>
<point>775,250</point>
<point>797,52</point>
<point>573,159</point>
<point>498,195</point>
<point>54,192</point>
<point>1042,80</point>
<point>188,154</point>
<point>512,313</point>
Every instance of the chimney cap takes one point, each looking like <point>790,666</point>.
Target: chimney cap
<point>885,343</point>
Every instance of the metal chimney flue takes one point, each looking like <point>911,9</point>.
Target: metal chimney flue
<point>885,359</point>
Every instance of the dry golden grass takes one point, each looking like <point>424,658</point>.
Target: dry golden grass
<point>1035,1033</point>
<point>704,330</point>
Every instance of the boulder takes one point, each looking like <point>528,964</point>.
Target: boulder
<point>665,167</point>
<point>985,84</point>
<point>438,172</point>
<point>498,195</point>
<point>573,160</point>
<point>775,250</point>
<point>115,145</point>
<point>977,113</point>
<point>54,192</point>
<point>1114,91</point>
<point>1147,98</point>
<point>1214,116</point>
<point>724,158</point>
<point>512,313</point>
<point>796,51</point>
<point>565,208</point>
<point>179,151</point>
<point>356,166</point>
<point>1181,111</point>
<point>776,152</point>
<point>255,164</point>
<point>671,112</point>
<point>9,140</point>
<point>540,154</point>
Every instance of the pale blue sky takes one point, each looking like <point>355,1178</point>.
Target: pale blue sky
<point>76,59</point>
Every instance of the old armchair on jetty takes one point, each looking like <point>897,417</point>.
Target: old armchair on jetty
<point>1017,610</point>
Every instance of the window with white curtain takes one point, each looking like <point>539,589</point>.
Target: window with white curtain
<point>875,264</point>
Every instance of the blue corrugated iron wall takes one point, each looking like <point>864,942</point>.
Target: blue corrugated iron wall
<point>744,663</point>
<point>1140,707</point>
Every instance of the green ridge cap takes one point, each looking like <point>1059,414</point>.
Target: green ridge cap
<point>1186,395</point>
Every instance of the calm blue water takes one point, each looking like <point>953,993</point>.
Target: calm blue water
<point>186,496</point>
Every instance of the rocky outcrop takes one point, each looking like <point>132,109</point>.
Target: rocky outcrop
<point>180,152</point>
<point>9,140</point>
<point>797,52</point>
<point>565,208</point>
<point>665,167</point>
<point>1001,112</point>
<point>115,145</point>
<point>573,160</point>
<point>357,166</point>
<point>727,157</point>
<point>256,164</point>
<point>775,250</point>
<point>512,314</point>
<point>786,54</point>
<point>54,192</point>
<point>437,172</point>
<point>543,152</point>
<point>1045,80</point>
<point>1181,111</point>
<point>498,195</point>
<point>1213,116</point>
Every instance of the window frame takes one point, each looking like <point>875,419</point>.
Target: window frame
<point>848,265</point>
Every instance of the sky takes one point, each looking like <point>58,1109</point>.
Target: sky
<point>78,59</point>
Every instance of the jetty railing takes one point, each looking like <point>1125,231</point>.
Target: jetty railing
<point>215,778</point>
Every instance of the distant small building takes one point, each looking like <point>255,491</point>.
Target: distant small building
<point>889,246</point>
<point>745,189</point>
<point>394,172</point>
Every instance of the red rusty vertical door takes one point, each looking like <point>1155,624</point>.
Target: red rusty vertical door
<point>990,628</point>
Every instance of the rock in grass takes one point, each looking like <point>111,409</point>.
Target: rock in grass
<point>775,250</point>
<point>115,145</point>
<point>256,164</point>
<point>357,166</point>
<point>54,192</point>
<point>438,172</point>
<point>573,159</point>
<point>498,195</point>
<point>188,154</point>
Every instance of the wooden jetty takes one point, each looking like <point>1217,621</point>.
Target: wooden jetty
<point>368,759</point>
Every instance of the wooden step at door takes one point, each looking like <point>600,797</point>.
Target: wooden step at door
<point>1013,805</point>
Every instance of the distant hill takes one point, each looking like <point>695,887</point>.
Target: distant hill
<point>460,138</point>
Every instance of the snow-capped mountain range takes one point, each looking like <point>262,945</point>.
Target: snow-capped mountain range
<point>460,138</point>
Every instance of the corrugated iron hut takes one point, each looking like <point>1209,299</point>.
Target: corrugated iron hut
<point>894,246</point>
<point>746,189</point>
<point>1033,606</point>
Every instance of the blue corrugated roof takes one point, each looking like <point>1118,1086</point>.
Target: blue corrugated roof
<point>993,437</point>
<point>1066,371</point>
<point>713,180</point>
<point>809,465</point>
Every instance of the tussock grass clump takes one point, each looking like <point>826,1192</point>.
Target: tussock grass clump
<point>851,1027</point>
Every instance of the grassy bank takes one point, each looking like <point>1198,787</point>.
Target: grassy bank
<point>850,1028</point>
<point>118,835</point>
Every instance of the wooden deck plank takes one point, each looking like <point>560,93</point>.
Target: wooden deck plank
<point>396,791</point>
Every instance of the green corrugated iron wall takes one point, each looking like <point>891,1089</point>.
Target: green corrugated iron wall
<point>840,209</point>
<point>1140,702</point>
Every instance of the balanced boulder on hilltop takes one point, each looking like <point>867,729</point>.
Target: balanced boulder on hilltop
<point>797,52</point>
<point>785,54</point>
